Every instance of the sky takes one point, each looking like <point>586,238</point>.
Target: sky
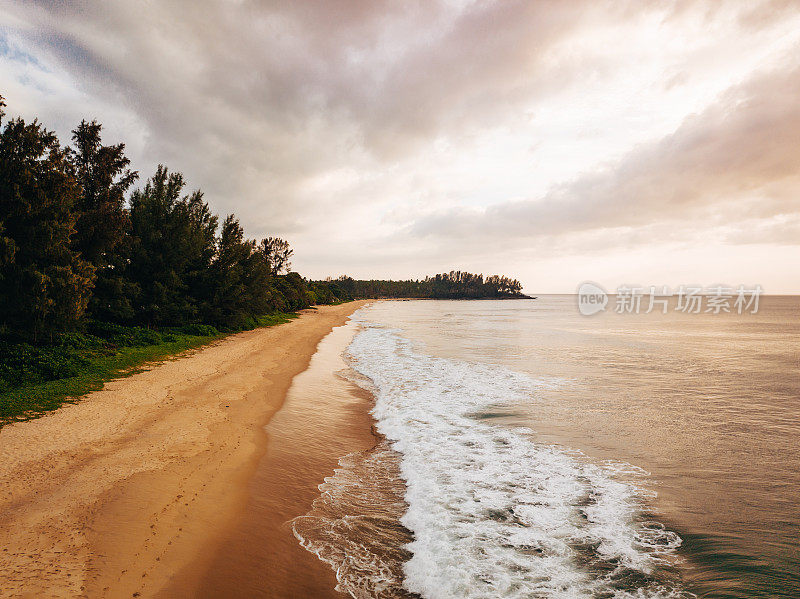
<point>622,142</point>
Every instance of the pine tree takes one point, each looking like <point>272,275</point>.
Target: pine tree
<point>104,176</point>
<point>44,284</point>
<point>200,246</point>
<point>102,220</point>
<point>172,249</point>
<point>157,263</point>
<point>241,278</point>
<point>277,253</point>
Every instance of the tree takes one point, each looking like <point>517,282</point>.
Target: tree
<point>200,246</point>
<point>455,284</point>
<point>69,243</point>
<point>158,260</point>
<point>277,253</point>
<point>241,278</point>
<point>104,177</point>
<point>44,283</point>
<point>102,220</point>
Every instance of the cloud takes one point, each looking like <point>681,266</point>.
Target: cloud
<point>254,98</point>
<point>400,137</point>
<point>736,160</point>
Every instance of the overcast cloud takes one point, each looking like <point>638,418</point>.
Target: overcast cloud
<point>555,141</point>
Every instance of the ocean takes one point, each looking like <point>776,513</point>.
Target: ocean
<point>526,450</point>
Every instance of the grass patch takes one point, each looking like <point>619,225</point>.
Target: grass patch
<point>38,378</point>
<point>270,320</point>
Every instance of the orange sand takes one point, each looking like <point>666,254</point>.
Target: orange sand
<point>112,496</point>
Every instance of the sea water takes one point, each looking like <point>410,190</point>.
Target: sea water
<point>529,451</point>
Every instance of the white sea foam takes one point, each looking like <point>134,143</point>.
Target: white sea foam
<point>354,525</point>
<point>494,513</point>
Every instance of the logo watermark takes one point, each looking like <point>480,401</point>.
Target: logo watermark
<point>592,298</point>
<point>689,299</point>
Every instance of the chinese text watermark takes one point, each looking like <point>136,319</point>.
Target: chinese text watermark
<point>689,299</point>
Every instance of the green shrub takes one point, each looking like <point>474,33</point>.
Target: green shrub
<point>140,337</point>
<point>80,341</point>
<point>199,330</point>
<point>104,330</point>
<point>23,364</point>
<point>37,378</point>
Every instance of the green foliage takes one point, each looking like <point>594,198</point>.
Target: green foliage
<point>240,278</point>
<point>201,330</point>
<point>155,274</point>
<point>25,364</point>
<point>452,285</point>
<point>268,320</point>
<point>35,378</point>
<point>102,223</point>
<point>45,285</point>
<point>277,252</point>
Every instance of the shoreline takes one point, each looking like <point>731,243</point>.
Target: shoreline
<point>114,495</point>
<point>323,418</point>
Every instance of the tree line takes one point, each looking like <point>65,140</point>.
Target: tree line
<point>78,243</point>
<point>453,285</point>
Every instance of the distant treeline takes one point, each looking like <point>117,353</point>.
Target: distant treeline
<point>78,243</point>
<point>75,245</point>
<point>452,285</point>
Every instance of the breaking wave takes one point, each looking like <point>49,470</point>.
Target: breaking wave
<point>453,505</point>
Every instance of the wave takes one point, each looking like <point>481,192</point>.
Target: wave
<point>354,525</point>
<point>453,505</point>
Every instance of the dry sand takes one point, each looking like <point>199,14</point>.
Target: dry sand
<point>112,496</point>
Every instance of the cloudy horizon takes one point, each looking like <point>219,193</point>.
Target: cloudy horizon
<point>621,142</point>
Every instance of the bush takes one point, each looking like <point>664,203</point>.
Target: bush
<point>124,336</point>
<point>80,341</point>
<point>139,337</point>
<point>199,330</point>
<point>23,364</point>
<point>104,330</point>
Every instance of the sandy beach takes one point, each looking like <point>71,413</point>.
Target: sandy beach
<point>323,418</point>
<point>127,491</point>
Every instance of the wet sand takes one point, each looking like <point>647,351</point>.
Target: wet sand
<point>323,418</point>
<point>114,495</point>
